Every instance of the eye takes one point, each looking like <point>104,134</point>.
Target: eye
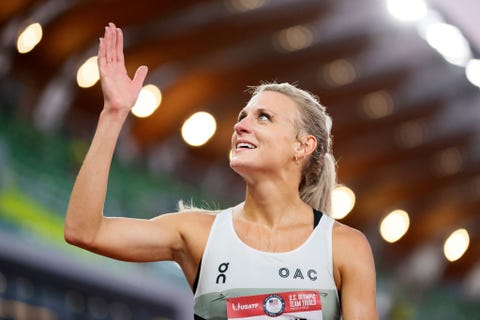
<point>264,116</point>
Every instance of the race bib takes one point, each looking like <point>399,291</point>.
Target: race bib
<point>295,305</point>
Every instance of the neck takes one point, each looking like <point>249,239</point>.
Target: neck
<point>273,205</point>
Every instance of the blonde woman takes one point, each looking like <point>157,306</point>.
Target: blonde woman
<point>276,254</point>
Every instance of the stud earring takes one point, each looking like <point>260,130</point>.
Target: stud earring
<point>297,161</point>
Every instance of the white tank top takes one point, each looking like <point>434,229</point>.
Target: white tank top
<point>254,284</point>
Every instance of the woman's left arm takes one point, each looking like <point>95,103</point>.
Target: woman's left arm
<point>354,269</point>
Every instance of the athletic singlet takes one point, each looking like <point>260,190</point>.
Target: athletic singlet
<point>246,283</point>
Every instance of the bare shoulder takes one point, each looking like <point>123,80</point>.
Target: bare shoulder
<point>348,237</point>
<point>192,228</point>
<point>354,272</point>
<point>351,248</point>
<point>352,252</point>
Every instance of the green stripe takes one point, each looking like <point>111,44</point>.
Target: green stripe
<point>29,215</point>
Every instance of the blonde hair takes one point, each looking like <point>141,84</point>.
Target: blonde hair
<point>319,173</point>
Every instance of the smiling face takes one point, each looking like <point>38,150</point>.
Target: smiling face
<point>265,135</point>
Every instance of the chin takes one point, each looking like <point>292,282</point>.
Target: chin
<point>235,163</point>
<point>239,166</point>
<point>244,167</point>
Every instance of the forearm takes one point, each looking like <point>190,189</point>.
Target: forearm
<point>85,209</point>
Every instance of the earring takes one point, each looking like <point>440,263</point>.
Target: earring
<point>297,161</point>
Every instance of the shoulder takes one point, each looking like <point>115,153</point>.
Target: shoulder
<point>348,241</point>
<point>354,272</point>
<point>352,252</point>
<point>346,235</point>
<point>191,226</point>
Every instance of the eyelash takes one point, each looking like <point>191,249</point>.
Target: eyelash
<point>262,114</point>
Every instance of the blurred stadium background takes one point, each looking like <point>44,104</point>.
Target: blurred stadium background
<point>400,79</point>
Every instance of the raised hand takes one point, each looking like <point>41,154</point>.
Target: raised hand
<point>119,91</point>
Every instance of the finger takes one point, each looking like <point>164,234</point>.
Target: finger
<point>109,44</point>
<point>140,76</point>
<point>102,49</point>
<point>113,33</point>
<point>119,46</point>
<point>101,54</point>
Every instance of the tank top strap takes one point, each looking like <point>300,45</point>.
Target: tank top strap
<point>317,215</point>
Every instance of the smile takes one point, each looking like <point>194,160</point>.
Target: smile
<point>245,145</point>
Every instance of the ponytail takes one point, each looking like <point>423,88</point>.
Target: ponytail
<point>319,195</point>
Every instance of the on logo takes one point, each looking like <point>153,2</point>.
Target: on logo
<point>222,268</point>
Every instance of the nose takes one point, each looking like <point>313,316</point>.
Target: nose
<point>243,126</point>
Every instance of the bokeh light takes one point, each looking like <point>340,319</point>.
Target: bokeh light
<point>88,74</point>
<point>148,101</point>
<point>199,128</point>
<point>456,245</point>
<point>343,201</point>
<point>449,41</point>
<point>29,37</point>
<point>394,225</point>
<point>472,71</point>
<point>407,10</point>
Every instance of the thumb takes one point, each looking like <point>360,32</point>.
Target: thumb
<point>140,76</point>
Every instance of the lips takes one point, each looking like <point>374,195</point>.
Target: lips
<point>242,144</point>
<point>245,145</point>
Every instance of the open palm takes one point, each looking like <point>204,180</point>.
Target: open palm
<point>119,91</point>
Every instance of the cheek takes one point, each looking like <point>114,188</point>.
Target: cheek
<point>285,144</point>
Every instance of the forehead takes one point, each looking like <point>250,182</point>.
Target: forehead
<point>274,101</point>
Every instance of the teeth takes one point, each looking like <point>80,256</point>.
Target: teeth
<point>245,145</point>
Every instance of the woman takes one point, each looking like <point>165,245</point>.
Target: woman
<point>275,254</point>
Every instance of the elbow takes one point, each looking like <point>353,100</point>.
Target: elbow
<point>70,236</point>
<point>76,237</point>
<point>80,231</point>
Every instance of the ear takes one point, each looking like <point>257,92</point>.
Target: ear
<point>306,146</point>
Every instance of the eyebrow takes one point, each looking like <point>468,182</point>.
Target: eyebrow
<point>265,110</point>
<point>243,111</point>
